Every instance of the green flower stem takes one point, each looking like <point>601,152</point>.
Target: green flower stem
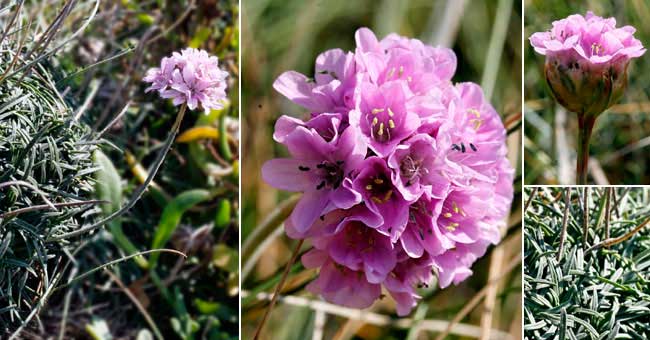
<point>585,128</point>
<point>223,137</point>
<point>140,191</point>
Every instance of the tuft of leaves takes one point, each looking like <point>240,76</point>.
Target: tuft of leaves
<point>602,293</point>
<point>46,168</point>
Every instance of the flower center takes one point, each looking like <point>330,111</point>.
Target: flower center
<point>330,173</point>
<point>382,124</point>
<point>596,49</point>
<point>451,214</point>
<point>412,169</point>
<point>380,189</point>
<point>397,73</point>
<point>477,121</point>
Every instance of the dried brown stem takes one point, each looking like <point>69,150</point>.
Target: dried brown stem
<point>278,288</point>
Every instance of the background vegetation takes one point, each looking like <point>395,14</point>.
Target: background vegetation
<point>621,135</point>
<point>572,291</point>
<point>282,35</point>
<point>192,204</point>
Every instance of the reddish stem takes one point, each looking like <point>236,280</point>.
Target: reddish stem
<point>585,127</point>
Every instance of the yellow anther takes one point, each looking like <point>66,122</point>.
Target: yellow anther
<point>477,123</point>
<point>376,200</point>
<point>381,129</point>
<point>450,228</point>
<point>391,124</point>
<point>378,181</point>
<point>401,71</point>
<point>447,215</point>
<point>375,121</point>
<point>390,112</point>
<point>369,187</point>
<point>595,48</point>
<point>409,79</point>
<point>390,73</point>
<point>475,112</point>
<point>376,111</point>
<point>389,193</point>
<point>455,207</point>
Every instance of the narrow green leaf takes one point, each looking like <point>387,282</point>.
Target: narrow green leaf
<point>171,217</point>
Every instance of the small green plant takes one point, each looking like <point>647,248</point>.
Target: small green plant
<point>46,171</point>
<point>587,264</point>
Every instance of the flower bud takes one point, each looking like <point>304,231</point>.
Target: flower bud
<point>586,61</point>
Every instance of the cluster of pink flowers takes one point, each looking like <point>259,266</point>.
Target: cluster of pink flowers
<point>404,174</point>
<point>191,76</point>
<point>590,39</point>
<point>586,61</point>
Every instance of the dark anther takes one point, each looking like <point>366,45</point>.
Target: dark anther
<point>322,217</point>
<point>455,147</point>
<point>390,229</point>
<point>421,235</point>
<point>303,168</point>
<point>473,147</point>
<point>320,166</point>
<point>462,147</point>
<point>321,185</point>
<point>339,162</point>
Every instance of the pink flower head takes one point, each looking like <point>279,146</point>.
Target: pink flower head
<point>590,38</point>
<point>586,61</point>
<point>191,76</point>
<point>403,173</point>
